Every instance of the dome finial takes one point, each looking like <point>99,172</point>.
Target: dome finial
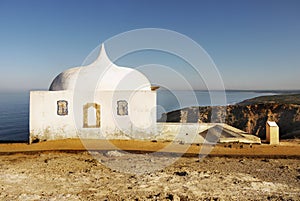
<point>102,55</point>
<point>102,48</point>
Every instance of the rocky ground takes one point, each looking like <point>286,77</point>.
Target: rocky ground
<point>127,176</point>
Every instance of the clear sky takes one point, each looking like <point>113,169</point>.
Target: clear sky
<point>255,44</point>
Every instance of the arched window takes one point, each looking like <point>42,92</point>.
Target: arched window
<point>91,115</point>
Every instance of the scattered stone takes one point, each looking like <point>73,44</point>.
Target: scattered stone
<point>92,161</point>
<point>35,140</point>
<point>176,198</point>
<point>284,167</point>
<point>242,161</point>
<point>265,160</point>
<point>204,175</point>
<point>184,198</point>
<point>173,197</point>
<point>170,197</point>
<point>274,197</point>
<point>181,174</point>
<point>114,154</point>
<point>212,199</point>
<point>149,197</point>
<point>157,195</point>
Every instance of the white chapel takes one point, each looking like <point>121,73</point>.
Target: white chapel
<point>96,101</point>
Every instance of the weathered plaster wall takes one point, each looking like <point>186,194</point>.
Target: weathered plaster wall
<point>46,124</point>
<point>44,121</point>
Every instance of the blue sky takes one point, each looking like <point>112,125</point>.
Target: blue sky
<point>255,44</point>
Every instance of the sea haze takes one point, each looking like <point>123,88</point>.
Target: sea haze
<point>14,108</point>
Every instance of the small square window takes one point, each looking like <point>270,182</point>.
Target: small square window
<point>122,108</point>
<point>62,107</point>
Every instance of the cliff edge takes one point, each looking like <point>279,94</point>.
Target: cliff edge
<point>249,115</point>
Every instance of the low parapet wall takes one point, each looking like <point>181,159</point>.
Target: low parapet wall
<point>203,133</point>
<point>181,132</point>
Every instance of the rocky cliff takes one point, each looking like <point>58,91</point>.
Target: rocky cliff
<point>250,115</point>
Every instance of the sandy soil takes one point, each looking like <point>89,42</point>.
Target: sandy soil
<point>289,148</point>
<point>118,175</point>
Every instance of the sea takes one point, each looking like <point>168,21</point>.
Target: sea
<point>14,107</point>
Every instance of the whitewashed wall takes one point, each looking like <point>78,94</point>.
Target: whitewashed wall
<point>45,124</point>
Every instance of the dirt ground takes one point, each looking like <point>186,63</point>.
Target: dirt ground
<point>117,175</point>
<point>287,148</point>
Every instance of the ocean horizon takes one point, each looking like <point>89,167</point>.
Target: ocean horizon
<point>14,107</point>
